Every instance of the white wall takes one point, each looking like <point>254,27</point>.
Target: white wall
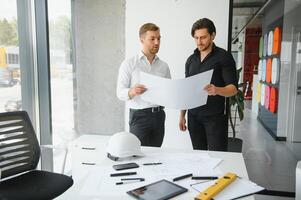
<point>175,18</point>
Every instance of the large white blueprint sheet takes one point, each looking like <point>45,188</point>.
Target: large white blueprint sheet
<point>179,94</point>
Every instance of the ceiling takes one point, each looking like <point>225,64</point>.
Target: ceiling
<point>243,11</point>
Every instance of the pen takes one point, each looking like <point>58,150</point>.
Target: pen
<point>154,163</point>
<point>135,181</point>
<point>129,179</point>
<point>205,181</point>
<point>88,148</point>
<point>181,177</point>
<point>204,177</point>
<point>86,163</point>
<point>123,174</point>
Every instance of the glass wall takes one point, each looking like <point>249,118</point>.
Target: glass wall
<point>61,75</point>
<point>65,99</point>
<point>10,79</point>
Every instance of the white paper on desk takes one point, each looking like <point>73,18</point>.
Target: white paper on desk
<point>195,160</point>
<point>174,165</point>
<point>200,163</point>
<point>239,188</point>
<point>99,183</point>
<point>179,94</point>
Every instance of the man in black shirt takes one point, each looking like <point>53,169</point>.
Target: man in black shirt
<point>208,124</point>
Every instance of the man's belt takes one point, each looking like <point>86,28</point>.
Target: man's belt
<point>152,110</point>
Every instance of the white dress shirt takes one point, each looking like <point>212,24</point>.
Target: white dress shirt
<point>129,75</point>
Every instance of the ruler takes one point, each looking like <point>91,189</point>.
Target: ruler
<point>218,186</point>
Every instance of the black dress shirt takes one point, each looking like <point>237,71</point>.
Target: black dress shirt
<point>224,73</point>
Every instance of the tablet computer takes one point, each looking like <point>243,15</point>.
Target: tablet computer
<point>159,190</point>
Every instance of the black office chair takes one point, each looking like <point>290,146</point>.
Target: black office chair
<point>19,156</point>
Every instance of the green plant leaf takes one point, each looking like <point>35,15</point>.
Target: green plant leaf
<point>238,99</point>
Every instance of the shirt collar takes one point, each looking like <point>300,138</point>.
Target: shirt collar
<point>197,51</point>
<point>141,55</point>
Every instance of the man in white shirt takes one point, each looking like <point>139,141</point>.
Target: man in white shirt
<point>146,120</point>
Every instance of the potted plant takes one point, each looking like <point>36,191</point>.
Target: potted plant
<point>236,102</point>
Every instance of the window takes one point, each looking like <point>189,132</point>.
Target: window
<point>61,77</point>
<point>10,87</point>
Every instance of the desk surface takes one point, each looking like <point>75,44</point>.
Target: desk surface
<point>232,162</point>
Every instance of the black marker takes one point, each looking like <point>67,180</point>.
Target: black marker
<point>130,179</point>
<point>86,163</point>
<point>204,177</point>
<point>88,148</point>
<point>123,174</point>
<point>155,163</point>
<point>182,177</point>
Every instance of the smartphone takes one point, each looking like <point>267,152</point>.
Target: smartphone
<point>125,166</point>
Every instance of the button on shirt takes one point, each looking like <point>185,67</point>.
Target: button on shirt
<point>224,73</point>
<point>129,75</point>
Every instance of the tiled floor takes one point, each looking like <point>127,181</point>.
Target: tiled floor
<point>270,163</point>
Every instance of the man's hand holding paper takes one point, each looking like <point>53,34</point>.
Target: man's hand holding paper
<point>138,89</point>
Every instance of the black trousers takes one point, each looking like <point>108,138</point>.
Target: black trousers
<point>208,132</point>
<point>148,126</point>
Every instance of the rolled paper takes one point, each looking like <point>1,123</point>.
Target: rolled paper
<point>265,45</point>
<point>267,97</point>
<point>262,94</point>
<point>259,69</point>
<point>260,47</point>
<point>263,74</point>
<point>270,42</point>
<point>258,97</point>
<point>275,70</point>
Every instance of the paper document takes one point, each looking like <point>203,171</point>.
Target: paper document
<point>100,183</point>
<point>179,94</point>
<point>239,188</point>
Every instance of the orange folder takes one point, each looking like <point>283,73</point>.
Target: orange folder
<point>273,100</point>
<point>269,71</point>
<point>277,41</point>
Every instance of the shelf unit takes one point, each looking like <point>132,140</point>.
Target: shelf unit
<point>267,118</point>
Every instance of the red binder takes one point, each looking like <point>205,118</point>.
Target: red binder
<point>273,100</point>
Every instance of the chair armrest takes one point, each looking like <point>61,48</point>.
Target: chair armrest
<point>59,147</point>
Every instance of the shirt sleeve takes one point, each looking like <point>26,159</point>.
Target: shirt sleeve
<point>229,71</point>
<point>187,65</point>
<point>123,81</point>
<point>168,72</point>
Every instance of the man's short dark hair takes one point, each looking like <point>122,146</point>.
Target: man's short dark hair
<point>148,27</point>
<point>203,23</point>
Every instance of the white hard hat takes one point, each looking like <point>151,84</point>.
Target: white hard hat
<point>123,144</point>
